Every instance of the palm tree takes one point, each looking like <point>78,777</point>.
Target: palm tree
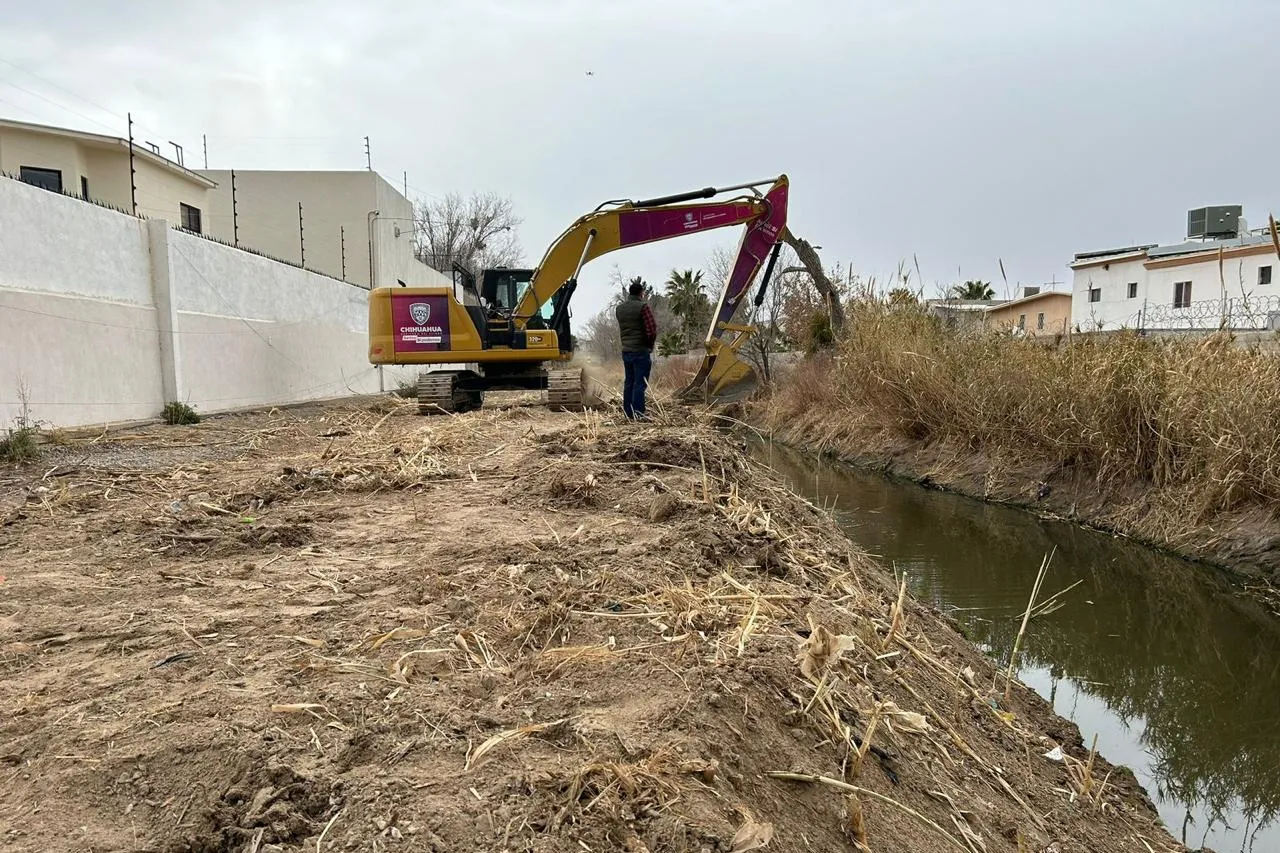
<point>689,302</point>
<point>902,296</point>
<point>977,290</point>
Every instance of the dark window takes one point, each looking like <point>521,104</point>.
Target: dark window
<point>191,218</point>
<point>1264,275</point>
<point>1040,321</point>
<point>1095,294</point>
<point>1133,290</point>
<point>49,179</point>
<point>1022,321</point>
<point>84,188</point>
<point>1181,294</point>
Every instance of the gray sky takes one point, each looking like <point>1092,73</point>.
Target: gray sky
<point>960,132</point>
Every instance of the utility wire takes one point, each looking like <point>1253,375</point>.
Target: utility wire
<point>114,130</point>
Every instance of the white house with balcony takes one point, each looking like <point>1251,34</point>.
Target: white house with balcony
<point>1222,275</point>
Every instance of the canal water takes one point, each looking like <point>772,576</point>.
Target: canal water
<point>1177,675</point>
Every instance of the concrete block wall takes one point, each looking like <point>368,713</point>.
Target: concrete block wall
<point>104,318</point>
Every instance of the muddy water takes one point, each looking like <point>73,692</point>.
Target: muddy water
<point>1177,676</point>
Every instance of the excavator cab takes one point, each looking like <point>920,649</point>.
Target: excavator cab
<point>501,291</point>
<point>502,288</point>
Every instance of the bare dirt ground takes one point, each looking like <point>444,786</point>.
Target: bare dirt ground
<point>347,627</point>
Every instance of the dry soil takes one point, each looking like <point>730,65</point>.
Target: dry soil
<point>348,627</point>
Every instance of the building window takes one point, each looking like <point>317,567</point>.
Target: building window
<point>1040,322</point>
<point>1095,294</point>
<point>1264,275</point>
<point>1133,290</point>
<point>84,188</point>
<point>1022,321</point>
<point>48,179</point>
<point>191,218</point>
<point>1181,294</point>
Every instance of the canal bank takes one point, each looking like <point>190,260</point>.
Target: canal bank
<point>1170,442</point>
<point>1244,544</point>
<point>1173,671</point>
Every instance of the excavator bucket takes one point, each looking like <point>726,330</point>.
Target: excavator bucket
<point>724,375</point>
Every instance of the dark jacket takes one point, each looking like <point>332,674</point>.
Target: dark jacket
<point>636,326</point>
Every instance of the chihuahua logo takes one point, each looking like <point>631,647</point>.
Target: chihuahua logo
<point>420,312</point>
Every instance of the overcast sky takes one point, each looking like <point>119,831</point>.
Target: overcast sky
<point>958,132</point>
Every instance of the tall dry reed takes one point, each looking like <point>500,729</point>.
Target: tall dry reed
<point>1197,417</point>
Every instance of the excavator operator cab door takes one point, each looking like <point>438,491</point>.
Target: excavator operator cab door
<point>501,289</point>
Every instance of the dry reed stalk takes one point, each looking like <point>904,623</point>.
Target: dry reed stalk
<point>895,621</point>
<point>856,770</point>
<point>328,826</point>
<point>1052,603</point>
<point>401,633</point>
<point>506,737</point>
<point>296,707</point>
<point>814,778</point>
<point>1026,616</point>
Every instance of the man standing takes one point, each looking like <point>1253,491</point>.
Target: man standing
<point>639,330</point>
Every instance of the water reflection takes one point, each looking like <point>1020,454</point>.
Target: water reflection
<point>1178,676</point>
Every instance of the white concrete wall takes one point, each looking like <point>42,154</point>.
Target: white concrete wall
<point>254,331</point>
<point>104,318</point>
<point>393,243</point>
<point>357,208</point>
<point>77,320</point>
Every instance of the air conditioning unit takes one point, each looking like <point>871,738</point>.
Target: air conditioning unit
<point>1214,222</point>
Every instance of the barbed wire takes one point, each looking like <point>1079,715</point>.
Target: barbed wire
<point>1245,312</point>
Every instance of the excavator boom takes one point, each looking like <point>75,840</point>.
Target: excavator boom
<point>722,373</point>
<point>631,224</point>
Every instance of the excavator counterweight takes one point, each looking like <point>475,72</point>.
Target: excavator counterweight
<point>509,331</point>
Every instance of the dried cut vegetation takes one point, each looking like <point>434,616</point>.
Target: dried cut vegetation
<point>346,627</point>
<point>1172,441</point>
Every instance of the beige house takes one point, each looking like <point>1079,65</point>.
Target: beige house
<point>1046,313</point>
<point>351,225</point>
<point>97,167</point>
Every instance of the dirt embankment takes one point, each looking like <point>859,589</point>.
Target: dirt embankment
<point>351,628</point>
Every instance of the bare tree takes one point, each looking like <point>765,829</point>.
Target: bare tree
<point>830,292</point>
<point>477,232</point>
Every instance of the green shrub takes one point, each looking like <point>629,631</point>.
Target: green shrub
<point>179,413</point>
<point>671,343</point>
<point>19,445</point>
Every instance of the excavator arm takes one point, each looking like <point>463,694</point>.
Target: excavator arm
<point>632,223</point>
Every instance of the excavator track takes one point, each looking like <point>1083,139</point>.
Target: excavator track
<point>564,390</point>
<point>440,393</point>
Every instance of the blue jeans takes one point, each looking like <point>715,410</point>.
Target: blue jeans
<point>636,366</point>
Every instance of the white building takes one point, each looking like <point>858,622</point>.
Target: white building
<point>351,225</point>
<point>1222,275</point>
<point>105,169</point>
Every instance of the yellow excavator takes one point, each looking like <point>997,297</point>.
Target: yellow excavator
<point>512,331</point>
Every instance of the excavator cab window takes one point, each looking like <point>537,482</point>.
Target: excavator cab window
<point>502,288</point>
